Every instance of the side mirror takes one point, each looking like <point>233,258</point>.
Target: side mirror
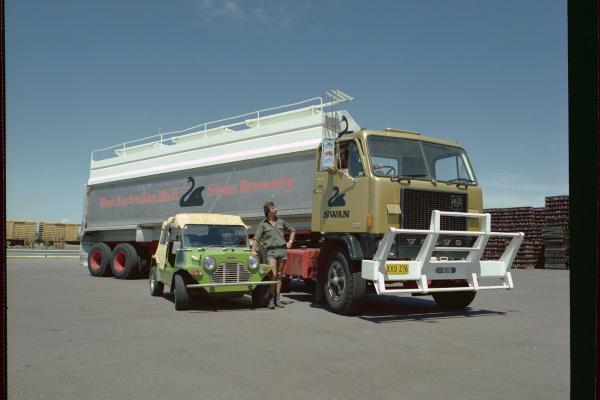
<point>176,247</point>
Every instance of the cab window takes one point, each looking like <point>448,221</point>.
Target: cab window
<point>355,165</point>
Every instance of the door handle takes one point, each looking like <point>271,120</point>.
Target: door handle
<point>318,190</point>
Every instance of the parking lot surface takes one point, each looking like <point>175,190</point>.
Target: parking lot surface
<point>72,336</point>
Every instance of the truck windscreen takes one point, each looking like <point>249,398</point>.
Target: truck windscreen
<point>397,157</point>
<point>214,236</point>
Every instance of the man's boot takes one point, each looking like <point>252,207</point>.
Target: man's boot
<point>278,302</point>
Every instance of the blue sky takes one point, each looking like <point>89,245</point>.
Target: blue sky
<point>82,75</point>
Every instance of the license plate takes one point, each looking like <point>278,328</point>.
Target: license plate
<point>396,269</point>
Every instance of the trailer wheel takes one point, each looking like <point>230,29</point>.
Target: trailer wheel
<point>182,297</point>
<point>343,288</point>
<point>156,286</point>
<point>261,296</point>
<point>145,260</point>
<point>454,300</point>
<point>125,261</point>
<point>99,260</point>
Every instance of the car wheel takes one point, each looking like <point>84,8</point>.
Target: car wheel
<point>261,296</point>
<point>343,289</point>
<point>99,260</point>
<point>156,286</point>
<point>182,297</point>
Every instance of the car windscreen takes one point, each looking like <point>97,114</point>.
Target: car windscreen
<point>214,236</point>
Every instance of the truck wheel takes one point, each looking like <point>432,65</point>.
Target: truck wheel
<point>454,300</point>
<point>182,297</point>
<point>145,260</point>
<point>343,288</point>
<point>125,261</point>
<point>99,260</point>
<point>261,296</point>
<point>156,286</point>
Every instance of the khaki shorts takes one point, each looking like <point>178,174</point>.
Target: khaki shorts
<point>278,254</point>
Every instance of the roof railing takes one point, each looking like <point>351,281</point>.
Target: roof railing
<point>224,125</point>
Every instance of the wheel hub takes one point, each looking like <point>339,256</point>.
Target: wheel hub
<point>336,282</point>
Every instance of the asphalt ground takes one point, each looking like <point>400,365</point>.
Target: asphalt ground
<point>73,336</point>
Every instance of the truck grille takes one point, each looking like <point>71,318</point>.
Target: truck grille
<point>231,273</point>
<point>418,204</point>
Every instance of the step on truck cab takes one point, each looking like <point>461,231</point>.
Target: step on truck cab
<point>202,255</point>
<point>382,211</point>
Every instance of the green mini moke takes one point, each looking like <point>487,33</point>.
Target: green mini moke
<point>200,255</point>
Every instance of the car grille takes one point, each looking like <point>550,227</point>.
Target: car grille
<point>418,204</point>
<point>231,273</point>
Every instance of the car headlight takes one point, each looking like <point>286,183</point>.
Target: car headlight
<point>209,264</point>
<point>253,262</point>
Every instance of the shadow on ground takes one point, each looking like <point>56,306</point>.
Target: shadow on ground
<point>376,309</point>
<point>216,304</point>
<point>384,309</point>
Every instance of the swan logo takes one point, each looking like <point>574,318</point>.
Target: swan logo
<point>337,200</point>
<point>193,197</point>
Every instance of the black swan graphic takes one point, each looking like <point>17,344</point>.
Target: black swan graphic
<point>337,200</point>
<point>195,196</point>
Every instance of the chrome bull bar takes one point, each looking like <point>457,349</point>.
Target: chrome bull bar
<point>425,268</point>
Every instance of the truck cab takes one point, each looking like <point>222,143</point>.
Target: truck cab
<point>402,213</point>
<point>200,255</point>
<point>392,178</point>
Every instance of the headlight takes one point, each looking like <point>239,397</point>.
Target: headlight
<point>209,264</point>
<point>252,262</point>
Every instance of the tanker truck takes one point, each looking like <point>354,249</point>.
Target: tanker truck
<point>376,211</point>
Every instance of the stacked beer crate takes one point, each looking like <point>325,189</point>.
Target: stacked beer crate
<point>517,219</point>
<point>555,232</point>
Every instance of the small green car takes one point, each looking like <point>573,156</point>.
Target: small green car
<point>200,254</point>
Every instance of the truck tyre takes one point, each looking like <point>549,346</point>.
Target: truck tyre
<point>145,260</point>
<point>261,296</point>
<point>99,260</point>
<point>125,261</point>
<point>156,286</point>
<point>454,300</point>
<point>182,297</point>
<point>344,289</point>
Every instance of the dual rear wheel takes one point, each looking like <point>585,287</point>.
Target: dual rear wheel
<point>123,262</point>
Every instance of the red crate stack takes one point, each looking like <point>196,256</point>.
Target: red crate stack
<point>546,243</point>
<point>517,219</point>
<point>555,232</point>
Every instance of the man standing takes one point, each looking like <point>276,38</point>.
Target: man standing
<point>269,234</point>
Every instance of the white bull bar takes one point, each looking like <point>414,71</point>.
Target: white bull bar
<point>425,267</point>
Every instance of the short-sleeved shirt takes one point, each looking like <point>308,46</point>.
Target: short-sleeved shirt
<point>271,237</point>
